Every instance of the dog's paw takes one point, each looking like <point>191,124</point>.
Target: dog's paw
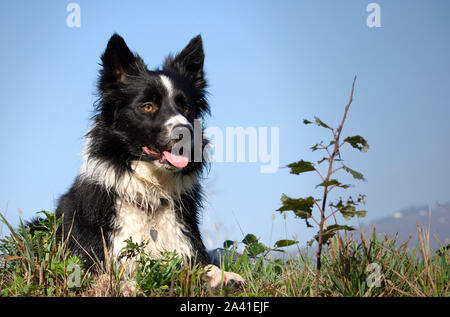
<point>216,278</point>
<point>129,288</point>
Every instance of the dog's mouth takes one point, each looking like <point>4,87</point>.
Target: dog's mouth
<point>166,157</point>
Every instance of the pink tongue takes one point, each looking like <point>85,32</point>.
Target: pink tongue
<point>176,160</point>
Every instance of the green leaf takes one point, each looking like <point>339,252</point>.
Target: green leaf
<point>301,167</point>
<point>355,174</point>
<point>331,231</point>
<point>336,227</point>
<point>277,250</point>
<point>358,142</point>
<point>331,182</point>
<point>284,243</point>
<point>361,213</point>
<point>256,248</point>
<point>302,207</point>
<point>315,147</point>
<point>249,239</point>
<point>306,121</point>
<point>228,243</point>
<point>321,123</point>
<point>348,210</point>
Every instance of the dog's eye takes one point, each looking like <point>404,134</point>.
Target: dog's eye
<point>186,110</point>
<point>148,107</point>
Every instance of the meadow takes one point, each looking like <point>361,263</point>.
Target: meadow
<point>40,264</point>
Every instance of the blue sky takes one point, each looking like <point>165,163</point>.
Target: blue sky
<point>269,64</point>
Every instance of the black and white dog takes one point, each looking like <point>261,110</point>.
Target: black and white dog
<point>131,183</point>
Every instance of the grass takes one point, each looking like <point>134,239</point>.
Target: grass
<point>42,265</point>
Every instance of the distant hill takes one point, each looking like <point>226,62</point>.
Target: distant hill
<point>404,222</point>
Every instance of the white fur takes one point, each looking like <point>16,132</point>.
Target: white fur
<point>139,207</point>
<point>133,222</point>
<point>168,84</point>
<point>175,120</point>
<point>217,277</point>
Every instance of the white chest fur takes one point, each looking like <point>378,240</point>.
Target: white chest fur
<point>160,230</point>
<point>138,206</point>
<point>141,216</point>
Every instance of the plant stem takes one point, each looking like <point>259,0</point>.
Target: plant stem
<point>336,137</point>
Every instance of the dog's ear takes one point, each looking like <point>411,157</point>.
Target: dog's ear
<point>117,60</point>
<point>189,62</point>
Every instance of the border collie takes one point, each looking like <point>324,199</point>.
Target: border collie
<point>132,184</point>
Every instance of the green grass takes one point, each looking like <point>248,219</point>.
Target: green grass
<point>41,265</point>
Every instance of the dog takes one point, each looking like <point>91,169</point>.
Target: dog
<point>132,184</point>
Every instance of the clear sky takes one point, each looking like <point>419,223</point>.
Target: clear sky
<point>269,64</point>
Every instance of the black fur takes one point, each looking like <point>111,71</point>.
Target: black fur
<point>121,129</point>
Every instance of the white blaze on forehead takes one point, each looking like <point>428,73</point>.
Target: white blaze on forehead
<point>168,84</point>
<point>176,119</point>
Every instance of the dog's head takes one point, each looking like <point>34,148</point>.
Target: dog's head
<point>149,114</point>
